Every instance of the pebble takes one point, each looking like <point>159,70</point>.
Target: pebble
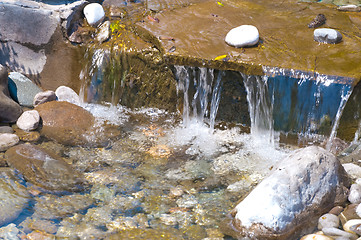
<point>9,232</point>
<point>352,225</point>
<point>335,232</point>
<point>349,213</point>
<point>328,220</point>
<point>43,97</point>
<point>94,14</point>
<point>104,32</point>
<point>7,140</point>
<point>6,129</point>
<point>243,36</point>
<point>349,8</point>
<point>316,236</point>
<point>176,192</point>
<point>336,210</point>
<point>327,35</point>
<point>25,136</point>
<point>355,193</point>
<point>28,120</point>
<point>64,93</point>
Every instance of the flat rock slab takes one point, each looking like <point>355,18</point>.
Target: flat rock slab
<point>285,39</point>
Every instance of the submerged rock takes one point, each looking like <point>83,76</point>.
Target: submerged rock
<point>9,109</point>
<point>319,20</point>
<point>43,168</point>
<point>7,140</point>
<point>22,89</point>
<point>242,36</point>
<point>94,14</point>
<point>304,185</point>
<point>65,122</point>
<point>10,232</point>
<point>327,35</point>
<point>14,197</point>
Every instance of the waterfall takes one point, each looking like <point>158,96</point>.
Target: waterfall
<point>203,88</point>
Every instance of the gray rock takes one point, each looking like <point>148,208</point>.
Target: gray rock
<point>94,14</point>
<point>29,120</point>
<point>327,35</point>
<point>335,232</point>
<point>6,129</point>
<point>9,109</point>
<point>22,89</point>
<point>67,94</point>
<point>328,220</point>
<point>14,197</point>
<point>352,170</point>
<point>355,193</point>
<point>303,185</point>
<point>43,97</point>
<point>7,140</point>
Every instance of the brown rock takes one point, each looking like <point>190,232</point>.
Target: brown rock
<point>43,168</point>
<point>66,123</point>
<point>9,109</point>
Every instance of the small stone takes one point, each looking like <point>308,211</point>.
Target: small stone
<point>168,219</point>
<point>315,236</point>
<point>353,170</point>
<point>327,35</point>
<point>355,193</point>
<point>336,210</point>
<point>358,210</point>
<point>7,140</point>
<point>349,213</point>
<point>335,232</point>
<point>352,225</point>
<point>328,220</point>
<point>29,120</point>
<point>176,192</point>
<point>319,20</point>
<point>25,136</point>
<point>67,94</point>
<point>242,36</point>
<point>22,89</point>
<point>43,97</point>
<point>103,32</point>
<point>10,232</point>
<point>94,14</point>
<point>6,129</point>
<point>349,8</point>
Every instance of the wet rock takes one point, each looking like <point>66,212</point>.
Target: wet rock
<point>65,123</point>
<point>29,120</point>
<point>318,21</point>
<point>6,129</point>
<point>7,140</point>
<point>22,89</point>
<point>43,169</point>
<point>9,109</point>
<point>352,225</point>
<point>37,224</point>
<point>176,192</point>
<point>38,235</point>
<point>67,94</point>
<point>327,35</point>
<point>242,36</point>
<point>43,97</point>
<point>94,14</point>
<point>54,207</point>
<point>14,197</point>
<point>103,32</point>
<point>349,8</point>
<point>306,183</point>
<point>25,136</point>
<point>355,193</point>
<point>328,220</point>
<point>10,232</point>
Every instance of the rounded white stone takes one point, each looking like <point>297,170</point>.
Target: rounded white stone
<point>29,120</point>
<point>355,193</point>
<point>314,236</point>
<point>350,225</point>
<point>327,35</point>
<point>243,36</point>
<point>94,14</point>
<point>328,220</point>
<point>335,232</point>
<point>358,210</point>
<point>67,94</point>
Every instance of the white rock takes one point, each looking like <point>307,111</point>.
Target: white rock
<point>349,8</point>
<point>307,181</point>
<point>327,35</point>
<point>94,14</point>
<point>350,224</point>
<point>7,140</point>
<point>29,120</point>
<point>43,97</point>
<point>335,232</point>
<point>328,220</point>
<point>358,210</point>
<point>314,236</point>
<point>352,169</point>
<point>67,94</point>
<point>243,36</point>
<point>355,193</point>
<point>103,32</point>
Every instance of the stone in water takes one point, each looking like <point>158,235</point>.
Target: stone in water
<point>94,14</point>
<point>327,35</point>
<point>242,36</point>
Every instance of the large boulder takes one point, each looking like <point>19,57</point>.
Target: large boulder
<point>43,168</point>
<point>303,186</point>
<point>14,196</point>
<point>9,109</point>
<point>65,122</point>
